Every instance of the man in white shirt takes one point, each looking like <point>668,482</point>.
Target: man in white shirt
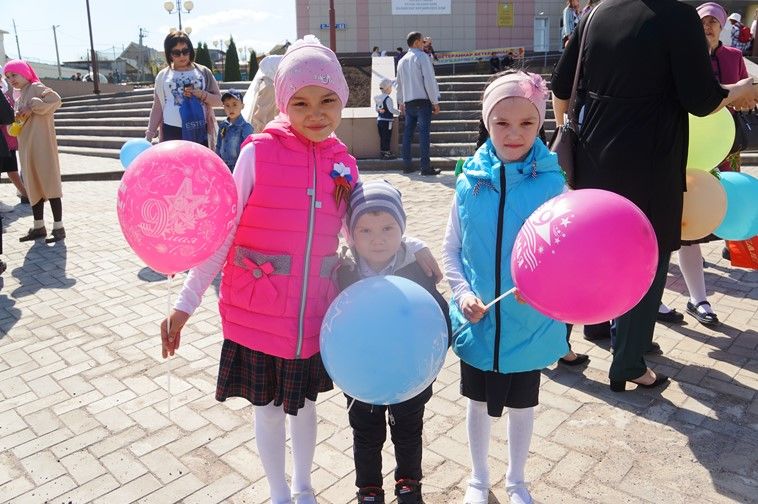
<point>417,98</point>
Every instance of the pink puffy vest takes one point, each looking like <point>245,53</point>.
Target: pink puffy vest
<point>266,302</point>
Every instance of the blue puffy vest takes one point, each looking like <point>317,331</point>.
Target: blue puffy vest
<point>512,337</point>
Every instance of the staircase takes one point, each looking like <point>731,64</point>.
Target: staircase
<point>99,126</point>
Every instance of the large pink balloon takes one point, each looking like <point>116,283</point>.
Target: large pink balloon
<point>176,205</point>
<point>585,257</point>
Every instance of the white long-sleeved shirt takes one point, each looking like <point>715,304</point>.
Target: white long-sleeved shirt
<point>200,277</point>
<point>415,78</point>
<point>451,256</point>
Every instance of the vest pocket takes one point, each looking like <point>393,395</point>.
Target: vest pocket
<point>257,281</point>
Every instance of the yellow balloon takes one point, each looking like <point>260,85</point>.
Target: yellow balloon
<point>14,129</point>
<point>711,138</point>
<point>704,205</point>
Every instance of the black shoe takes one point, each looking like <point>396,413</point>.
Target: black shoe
<point>620,385</point>
<point>580,359</point>
<point>408,491</point>
<point>24,200</point>
<point>373,495</point>
<point>57,235</point>
<point>654,349</point>
<point>409,169</point>
<point>33,234</point>
<point>431,171</point>
<point>726,254</point>
<point>708,319</point>
<point>597,332</point>
<point>672,317</point>
<point>3,267</point>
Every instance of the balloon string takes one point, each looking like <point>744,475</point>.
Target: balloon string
<point>351,405</point>
<point>169,278</point>
<point>487,307</point>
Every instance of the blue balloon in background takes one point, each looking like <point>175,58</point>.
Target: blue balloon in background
<point>131,149</point>
<point>741,219</point>
<point>383,340</point>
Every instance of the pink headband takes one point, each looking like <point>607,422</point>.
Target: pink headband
<point>22,68</point>
<point>308,63</point>
<point>712,9</point>
<point>526,85</point>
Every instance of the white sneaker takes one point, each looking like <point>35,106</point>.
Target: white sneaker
<point>476,494</point>
<point>518,493</point>
<point>5,208</point>
<point>304,497</point>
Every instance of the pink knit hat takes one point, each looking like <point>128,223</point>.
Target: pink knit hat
<point>712,9</point>
<point>22,68</point>
<point>526,85</point>
<point>308,63</point>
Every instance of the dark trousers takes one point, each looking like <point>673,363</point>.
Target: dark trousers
<point>174,133</point>
<point>417,112</point>
<point>385,135</point>
<point>634,329</point>
<point>369,434</point>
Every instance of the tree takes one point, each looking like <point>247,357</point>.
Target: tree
<point>202,56</point>
<point>252,66</point>
<point>232,63</point>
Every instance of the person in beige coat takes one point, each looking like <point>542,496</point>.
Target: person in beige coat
<point>37,147</point>
<point>260,105</point>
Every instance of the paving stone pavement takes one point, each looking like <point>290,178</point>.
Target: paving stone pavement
<point>83,391</point>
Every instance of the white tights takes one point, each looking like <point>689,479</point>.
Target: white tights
<point>478,423</point>
<point>691,265</point>
<point>270,438</point>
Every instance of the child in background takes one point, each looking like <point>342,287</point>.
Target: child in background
<point>38,148</point>
<point>386,110</point>
<point>376,223</point>
<point>233,130</point>
<point>504,348</point>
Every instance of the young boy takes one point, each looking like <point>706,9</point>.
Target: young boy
<point>386,110</point>
<point>234,129</point>
<point>376,222</point>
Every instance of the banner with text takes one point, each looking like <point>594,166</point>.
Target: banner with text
<point>453,57</point>
<point>420,7</point>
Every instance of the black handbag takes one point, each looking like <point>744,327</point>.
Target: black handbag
<point>746,131</point>
<point>565,137</point>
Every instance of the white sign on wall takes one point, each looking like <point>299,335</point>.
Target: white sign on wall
<point>420,7</point>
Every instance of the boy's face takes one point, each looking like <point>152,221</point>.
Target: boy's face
<point>377,237</point>
<point>233,108</point>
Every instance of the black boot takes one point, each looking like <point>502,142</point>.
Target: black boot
<point>408,491</point>
<point>372,495</point>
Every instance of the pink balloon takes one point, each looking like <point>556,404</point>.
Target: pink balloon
<point>585,257</point>
<point>176,205</point>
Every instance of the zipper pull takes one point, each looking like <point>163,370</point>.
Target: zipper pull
<point>391,416</point>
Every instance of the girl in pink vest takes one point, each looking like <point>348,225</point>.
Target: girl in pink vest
<point>293,182</point>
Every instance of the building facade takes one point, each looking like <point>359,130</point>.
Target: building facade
<point>454,25</point>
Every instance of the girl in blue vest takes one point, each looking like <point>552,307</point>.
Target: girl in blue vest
<point>504,348</point>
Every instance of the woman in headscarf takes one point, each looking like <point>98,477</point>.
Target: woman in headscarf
<point>260,106</point>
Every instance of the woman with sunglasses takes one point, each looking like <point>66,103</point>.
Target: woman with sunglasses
<point>181,80</point>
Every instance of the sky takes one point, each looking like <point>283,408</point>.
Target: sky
<point>256,24</point>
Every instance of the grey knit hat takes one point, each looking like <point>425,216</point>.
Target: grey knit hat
<point>375,196</point>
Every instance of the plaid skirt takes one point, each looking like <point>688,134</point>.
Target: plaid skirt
<point>261,378</point>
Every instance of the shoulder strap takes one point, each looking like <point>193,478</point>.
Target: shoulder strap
<point>572,100</point>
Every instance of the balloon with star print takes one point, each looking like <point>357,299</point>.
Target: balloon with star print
<point>585,257</point>
<point>176,205</point>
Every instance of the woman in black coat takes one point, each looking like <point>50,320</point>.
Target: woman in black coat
<point>6,117</point>
<point>645,66</point>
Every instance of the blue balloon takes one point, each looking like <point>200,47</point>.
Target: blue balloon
<point>383,340</point>
<point>741,219</point>
<point>131,149</point>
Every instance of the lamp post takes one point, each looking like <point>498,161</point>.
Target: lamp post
<point>220,43</point>
<point>95,76</point>
<point>188,5</point>
<point>332,27</point>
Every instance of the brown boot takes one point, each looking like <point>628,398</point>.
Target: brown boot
<point>33,234</point>
<point>57,235</point>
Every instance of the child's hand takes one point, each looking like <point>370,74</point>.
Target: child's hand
<point>473,308</point>
<point>426,260</point>
<point>189,91</point>
<point>519,297</point>
<point>170,341</point>
<point>23,114</point>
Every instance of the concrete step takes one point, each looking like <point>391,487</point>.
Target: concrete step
<point>136,95</point>
<point>112,131</point>
<point>461,86</point>
<point>463,78</point>
<point>457,95</point>
<point>89,151</point>
<point>98,142</point>
<point>102,121</point>
<point>108,105</point>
